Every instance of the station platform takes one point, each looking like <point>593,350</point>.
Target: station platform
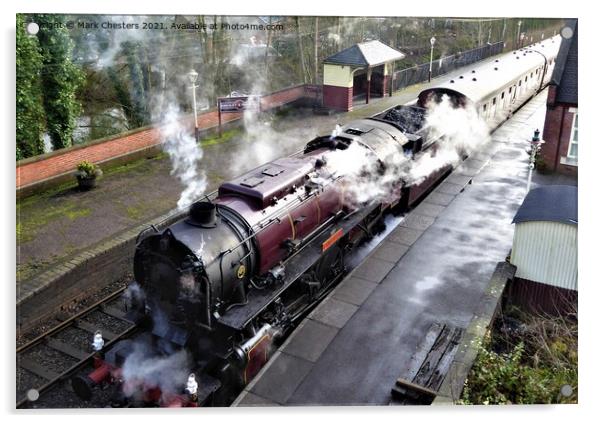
<point>435,268</point>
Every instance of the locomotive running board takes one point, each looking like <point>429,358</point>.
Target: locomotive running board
<point>257,301</point>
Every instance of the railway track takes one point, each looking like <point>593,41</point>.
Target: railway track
<point>52,357</point>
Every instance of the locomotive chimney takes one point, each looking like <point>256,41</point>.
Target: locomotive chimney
<point>203,213</point>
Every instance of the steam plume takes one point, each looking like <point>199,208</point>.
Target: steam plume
<point>142,371</point>
<point>366,179</point>
<point>185,155</point>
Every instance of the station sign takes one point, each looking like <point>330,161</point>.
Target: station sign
<point>238,104</point>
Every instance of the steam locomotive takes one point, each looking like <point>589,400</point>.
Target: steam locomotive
<point>237,273</point>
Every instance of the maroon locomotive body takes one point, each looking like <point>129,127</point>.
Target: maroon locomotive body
<point>248,261</point>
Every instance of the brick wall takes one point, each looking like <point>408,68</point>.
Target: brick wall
<point>338,98</point>
<point>54,167</point>
<point>386,84</point>
<point>557,135</point>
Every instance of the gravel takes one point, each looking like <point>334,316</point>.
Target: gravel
<point>76,337</point>
<point>62,315</point>
<point>50,359</point>
<point>62,396</point>
<point>26,381</point>
<point>104,321</point>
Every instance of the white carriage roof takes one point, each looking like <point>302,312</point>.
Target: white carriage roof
<point>476,83</point>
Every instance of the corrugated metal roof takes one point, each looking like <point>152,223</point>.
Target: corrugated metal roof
<point>369,53</point>
<point>566,67</point>
<point>554,203</point>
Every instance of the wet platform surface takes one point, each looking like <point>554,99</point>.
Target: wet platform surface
<point>433,268</point>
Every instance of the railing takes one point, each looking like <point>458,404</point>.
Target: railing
<point>420,73</point>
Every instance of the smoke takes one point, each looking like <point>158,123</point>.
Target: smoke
<point>134,295</point>
<point>144,370</point>
<point>368,179</point>
<point>184,152</point>
<point>261,141</point>
<point>461,131</point>
<point>167,83</point>
<point>364,178</point>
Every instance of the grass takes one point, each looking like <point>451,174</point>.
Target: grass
<point>135,212</point>
<point>41,215</point>
<point>226,136</point>
<point>76,214</point>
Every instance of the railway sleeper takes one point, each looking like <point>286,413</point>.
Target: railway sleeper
<point>66,349</point>
<point>89,327</point>
<point>37,369</point>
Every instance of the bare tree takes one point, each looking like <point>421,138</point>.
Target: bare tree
<point>316,41</point>
<point>300,45</point>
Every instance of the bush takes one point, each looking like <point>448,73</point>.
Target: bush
<point>528,366</point>
<point>85,169</point>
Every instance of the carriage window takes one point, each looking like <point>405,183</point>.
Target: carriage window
<point>520,83</point>
<point>503,95</point>
<point>531,75</point>
<point>494,101</point>
<point>484,108</point>
<point>525,79</point>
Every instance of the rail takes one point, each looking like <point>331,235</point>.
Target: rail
<point>49,340</point>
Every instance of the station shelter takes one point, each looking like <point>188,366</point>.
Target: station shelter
<point>544,251</point>
<point>362,70</point>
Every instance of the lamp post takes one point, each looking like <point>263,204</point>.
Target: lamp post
<point>536,143</point>
<point>192,76</point>
<point>518,35</point>
<point>431,63</point>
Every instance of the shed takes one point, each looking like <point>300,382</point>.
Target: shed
<point>544,249</point>
<point>362,69</point>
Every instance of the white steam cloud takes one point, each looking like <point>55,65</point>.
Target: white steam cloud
<point>461,132</point>
<point>185,155</point>
<point>134,295</point>
<point>142,371</point>
<point>364,178</point>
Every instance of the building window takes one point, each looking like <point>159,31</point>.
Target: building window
<point>572,154</point>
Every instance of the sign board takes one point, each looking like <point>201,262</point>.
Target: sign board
<point>238,104</point>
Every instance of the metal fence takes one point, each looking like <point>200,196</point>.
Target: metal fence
<point>416,74</point>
